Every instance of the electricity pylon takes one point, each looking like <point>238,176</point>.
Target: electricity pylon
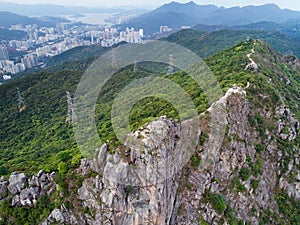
<point>171,65</point>
<point>135,67</point>
<point>21,101</point>
<point>70,114</point>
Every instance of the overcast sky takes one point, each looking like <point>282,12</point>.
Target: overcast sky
<point>291,4</point>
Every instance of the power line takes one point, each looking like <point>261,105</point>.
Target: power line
<point>135,67</point>
<point>70,114</point>
<point>113,59</point>
<point>171,65</point>
<point>21,101</point>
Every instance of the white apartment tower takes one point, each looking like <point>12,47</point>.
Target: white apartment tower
<point>3,53</point>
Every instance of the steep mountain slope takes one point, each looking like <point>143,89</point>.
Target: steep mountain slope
<point>253,170</point>
<point>192,14</point>
<point>253,177</point>
<point>249,180</point>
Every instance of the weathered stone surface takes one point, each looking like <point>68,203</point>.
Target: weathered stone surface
<point>138,186</point>
<point>3,188</point>
<point>16,201</point>
<point>63,216</point>
<point>99,162</point>
<point>27,191</point>
<point>292,189</point>
<point>29,196</point>
<point>17,182</point>
<point>3,179</point>
<point>287,120</point>
<point>218,177</point>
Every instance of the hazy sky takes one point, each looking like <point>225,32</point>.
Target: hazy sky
<point>291,4</point>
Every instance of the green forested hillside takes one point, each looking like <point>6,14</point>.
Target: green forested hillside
<point>38,137</point>
<point>77,54</point>
<point>209,43</point>
<point>32,139</point>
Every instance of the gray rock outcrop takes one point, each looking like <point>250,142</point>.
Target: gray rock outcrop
<point>17,182</point>
<point>138,184</point>
<point>288,126</point>
<point>3,188</point>
<point>26,190</point>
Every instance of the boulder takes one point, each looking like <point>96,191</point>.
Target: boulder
<point>3,189</point>
<point>17,182</point>
<point>16,201</point>
<point>29,196</point>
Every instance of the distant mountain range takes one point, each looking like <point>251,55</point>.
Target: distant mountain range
<point>7,19</point>
<point>6,34</point>
<point>291,28</point>
<point>176,14</point>
<point>58,10</point>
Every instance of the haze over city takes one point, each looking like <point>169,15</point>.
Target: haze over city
<point>290,4</point>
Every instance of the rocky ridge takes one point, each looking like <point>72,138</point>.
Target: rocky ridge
<point>136,186</point>
<point>26,190</point>
<point>114,200</point>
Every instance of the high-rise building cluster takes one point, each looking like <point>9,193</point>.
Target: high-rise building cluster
<point>30,60</point>
<point>46,42</point>
<point>10,67</point>
<point>132,36</point>
<point>111,36</point>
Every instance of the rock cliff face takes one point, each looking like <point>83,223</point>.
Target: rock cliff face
<point>139,182</point>
<point>222,181</point>
<point>145,181</point>
<point>237,183</point>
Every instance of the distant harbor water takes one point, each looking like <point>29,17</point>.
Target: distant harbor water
<point>91,18</point>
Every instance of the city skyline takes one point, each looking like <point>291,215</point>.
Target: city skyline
<point>37,48</point>
<point>290,4</point>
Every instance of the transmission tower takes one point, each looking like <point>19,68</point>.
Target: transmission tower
<point>70,114</point>
<point>21,101</point>
<point>171,65</point>
<point>113,59</point>
<point>135,67</point>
